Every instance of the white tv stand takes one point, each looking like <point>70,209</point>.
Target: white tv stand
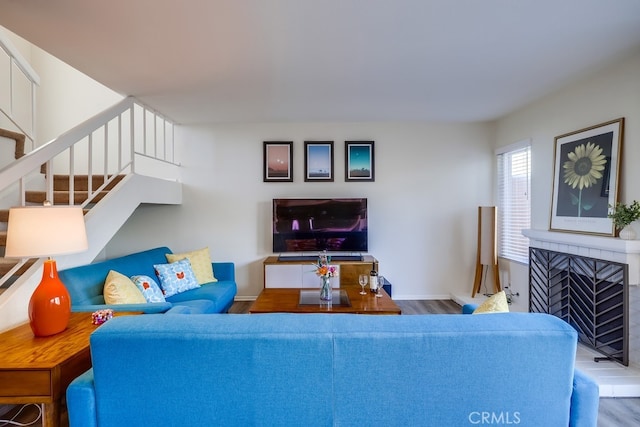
<point>281,272</point>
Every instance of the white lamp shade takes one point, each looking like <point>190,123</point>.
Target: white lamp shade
<point>44,231</point>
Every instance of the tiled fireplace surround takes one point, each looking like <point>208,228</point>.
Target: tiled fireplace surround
<point>606,248</point>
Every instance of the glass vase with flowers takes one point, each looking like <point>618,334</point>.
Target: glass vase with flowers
<point>325,271</point>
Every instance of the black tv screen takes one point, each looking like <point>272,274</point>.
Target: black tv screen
<point>334,225</point>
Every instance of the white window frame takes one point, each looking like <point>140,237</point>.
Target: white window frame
<point>513,200</point>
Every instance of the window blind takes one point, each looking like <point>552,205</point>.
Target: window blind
<point>514,206</point>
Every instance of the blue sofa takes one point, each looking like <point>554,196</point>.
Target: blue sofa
<point>333,370</point>
<point>85,284</point>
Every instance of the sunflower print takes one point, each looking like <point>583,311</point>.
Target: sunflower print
<point>584,167</point>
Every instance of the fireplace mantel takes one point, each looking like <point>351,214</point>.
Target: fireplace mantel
<point>600,247</point>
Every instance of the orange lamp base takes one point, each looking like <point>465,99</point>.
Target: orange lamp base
<point>50,304</point>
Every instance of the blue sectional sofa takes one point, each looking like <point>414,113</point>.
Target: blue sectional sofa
<point>85,285</point>
<point>333,370</point>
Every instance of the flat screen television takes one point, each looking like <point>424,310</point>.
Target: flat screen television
<point>314,225</point>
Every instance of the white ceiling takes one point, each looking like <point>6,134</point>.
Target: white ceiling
<point>331,60</point>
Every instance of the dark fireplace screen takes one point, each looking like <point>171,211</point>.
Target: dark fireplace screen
<point>590,294</point>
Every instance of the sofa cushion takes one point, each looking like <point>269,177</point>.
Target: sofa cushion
<point>176,277</point>
<point>149,288</point>
<point>496,303</point>
<point>200,263</point>
<point>194,306</point>
<point>119,289</point>
<point>221,293</point>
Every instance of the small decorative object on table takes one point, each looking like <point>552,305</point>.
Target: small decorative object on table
<point>622,216</point>
<point>101,316</point>
<point>325,272</point>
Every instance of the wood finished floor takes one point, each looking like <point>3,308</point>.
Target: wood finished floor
<point>613,412</point>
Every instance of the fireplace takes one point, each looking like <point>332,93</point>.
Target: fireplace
<point>590,282</point>
<point>590,294</point>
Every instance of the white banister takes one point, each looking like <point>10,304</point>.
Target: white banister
<point>17,61</point>
<point>21,62</point>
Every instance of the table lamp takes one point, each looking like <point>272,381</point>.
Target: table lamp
<point>39,231</point>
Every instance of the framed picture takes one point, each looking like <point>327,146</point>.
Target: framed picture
<point>277,164</point>
<point>359,161</point>
<point>585,178</point>
<point>318,161</point>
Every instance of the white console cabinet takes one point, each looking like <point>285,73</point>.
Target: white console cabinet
<point>279,273</point>
<point>293,276</point>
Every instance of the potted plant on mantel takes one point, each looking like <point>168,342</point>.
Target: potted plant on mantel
<point>623,215</point>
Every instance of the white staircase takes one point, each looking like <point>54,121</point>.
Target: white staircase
<point>128,142</point>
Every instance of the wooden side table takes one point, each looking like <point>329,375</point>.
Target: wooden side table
<point>39,369</point>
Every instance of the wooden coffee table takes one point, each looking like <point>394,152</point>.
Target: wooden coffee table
<point>39,369</point>
<point>287,300</point>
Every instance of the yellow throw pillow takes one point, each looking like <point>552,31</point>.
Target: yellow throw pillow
<point>497,303</point>
<point>119,289</point>
<point>200,264</point>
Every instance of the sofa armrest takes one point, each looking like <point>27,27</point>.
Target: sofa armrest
<point>469,308</point>
<point>81,401</point>
<point>224,271</point>
<point>146,308</point>
<point>585,399</point>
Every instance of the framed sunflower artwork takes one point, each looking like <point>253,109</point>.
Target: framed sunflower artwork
<point>585,178</point>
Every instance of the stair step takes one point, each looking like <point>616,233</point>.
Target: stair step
<point>62,197</point>
<point>7,264</point>
<point>18,138</point>
<point>81,182</point>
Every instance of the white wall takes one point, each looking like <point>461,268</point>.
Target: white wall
<point>66,97</point>
<point>21,109</point>
<point>609,94</point>
<point>430,179</point>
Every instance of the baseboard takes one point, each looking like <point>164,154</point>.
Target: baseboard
<point>466,299</point>
<point>399,297</point>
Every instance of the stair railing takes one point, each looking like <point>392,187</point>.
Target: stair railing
<point>117,141</point>
<point>19,71</point>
